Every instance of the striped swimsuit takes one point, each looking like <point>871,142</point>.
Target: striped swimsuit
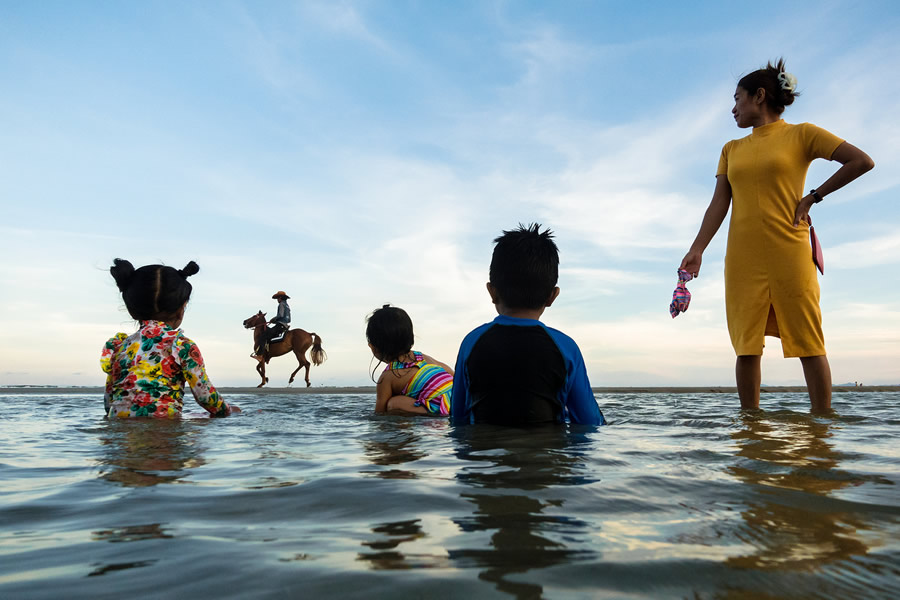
<point>431,386</point>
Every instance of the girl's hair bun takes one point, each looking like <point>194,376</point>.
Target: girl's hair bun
<point>153,291</point>
<point>123,272</point>
<point>189,269</point>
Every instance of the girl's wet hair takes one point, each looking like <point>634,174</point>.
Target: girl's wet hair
<point>775,80</point>
<point>390,331</point>
<point>152,291</point>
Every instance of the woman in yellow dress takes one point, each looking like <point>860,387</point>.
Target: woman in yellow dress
<point>771,286</point>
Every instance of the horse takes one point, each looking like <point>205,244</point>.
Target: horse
<point>294,339</point>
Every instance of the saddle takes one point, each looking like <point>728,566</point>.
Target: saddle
<point>263,348</point>
<point>278,336</point>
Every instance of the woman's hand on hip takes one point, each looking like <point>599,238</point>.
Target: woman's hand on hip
<point>691,262</point>
<point>802,211</point>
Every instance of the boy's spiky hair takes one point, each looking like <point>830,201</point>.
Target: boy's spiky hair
<point>525,266</point>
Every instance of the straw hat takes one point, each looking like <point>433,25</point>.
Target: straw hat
<point>279,294</point>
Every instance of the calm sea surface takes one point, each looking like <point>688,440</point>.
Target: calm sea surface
<point>682,496</point>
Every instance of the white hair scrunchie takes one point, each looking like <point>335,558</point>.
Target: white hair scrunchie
<point>788,81</point>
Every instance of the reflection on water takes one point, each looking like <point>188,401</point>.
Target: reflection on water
<point>132,533</point>
<point>140,453</point>
<point>104,569</point>
<point>315,498</point>
<point>512,475</point>
<point>385,553</point>
<point>795,524</point>
<point>394,442</point>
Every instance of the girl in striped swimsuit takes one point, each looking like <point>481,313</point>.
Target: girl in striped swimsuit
<point>412,382</point>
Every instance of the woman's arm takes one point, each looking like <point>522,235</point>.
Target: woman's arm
<point>854,162</point>
<point>712,220</point>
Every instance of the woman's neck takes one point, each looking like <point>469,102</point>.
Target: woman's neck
<point>765,118</point>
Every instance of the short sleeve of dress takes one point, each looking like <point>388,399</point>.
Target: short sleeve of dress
<point>722,169</point>
<point>187,354</point>
<point>818,142</point>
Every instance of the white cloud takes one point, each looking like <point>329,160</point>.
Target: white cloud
<point>544,54</point>
<point>347,203</point>
<point>883,250</point>
<point>342,18</point>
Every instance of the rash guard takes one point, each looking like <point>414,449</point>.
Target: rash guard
<point>520,372</point>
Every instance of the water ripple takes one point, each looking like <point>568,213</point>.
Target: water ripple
<point>313,495</point>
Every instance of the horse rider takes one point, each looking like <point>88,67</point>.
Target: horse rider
<point>280,323</point>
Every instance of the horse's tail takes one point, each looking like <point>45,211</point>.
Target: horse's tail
<point>317,354</point>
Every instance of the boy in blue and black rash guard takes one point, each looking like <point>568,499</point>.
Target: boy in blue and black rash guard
<point>515,370</point>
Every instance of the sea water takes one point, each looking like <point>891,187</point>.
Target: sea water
<point>312,496</point>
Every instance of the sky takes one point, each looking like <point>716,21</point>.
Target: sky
<point>360,153</point>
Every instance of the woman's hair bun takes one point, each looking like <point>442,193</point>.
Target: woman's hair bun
<point>123,272</point>
<point>779,85</point>
<point>189,269</point>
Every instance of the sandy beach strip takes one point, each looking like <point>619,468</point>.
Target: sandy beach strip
<point>270,391</point>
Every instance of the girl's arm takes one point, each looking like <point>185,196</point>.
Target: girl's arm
<point>712,220</point>
<point>194,372</point>
<point>383,393</point>
<point>854,162</point>
<point>110,350</point>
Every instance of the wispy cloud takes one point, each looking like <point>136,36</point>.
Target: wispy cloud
<point>345,19</point>
<point>341,152</point>
<point>882,250</point>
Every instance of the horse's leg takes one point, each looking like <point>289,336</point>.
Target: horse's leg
<point>301,359</point>
<point>301,362</point>
<point>289,346</point>
<point>299,366</point>
<point>300,347</point>
<point>261,369</point>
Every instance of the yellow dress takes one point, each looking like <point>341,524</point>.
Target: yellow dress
<point>771,286</point>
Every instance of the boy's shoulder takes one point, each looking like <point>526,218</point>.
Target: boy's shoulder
<point>479,330</point>
<point>563,335</point>
<point>561,339</point>
<point>564,341</point>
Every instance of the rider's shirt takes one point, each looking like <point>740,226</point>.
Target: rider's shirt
<point>284,313</point>
<point>147,371</point>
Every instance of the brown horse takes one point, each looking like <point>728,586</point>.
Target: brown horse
<point>295,339</point>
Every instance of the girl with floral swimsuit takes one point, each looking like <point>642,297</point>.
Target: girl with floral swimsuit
<point>147,370</point>
<point>412,382</point>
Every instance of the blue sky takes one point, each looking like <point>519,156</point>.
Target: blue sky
<point>357,153</point>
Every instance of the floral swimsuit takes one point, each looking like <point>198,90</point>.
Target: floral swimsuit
<point>147,371</point>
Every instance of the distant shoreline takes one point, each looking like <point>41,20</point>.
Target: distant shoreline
<point>269,391</point>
